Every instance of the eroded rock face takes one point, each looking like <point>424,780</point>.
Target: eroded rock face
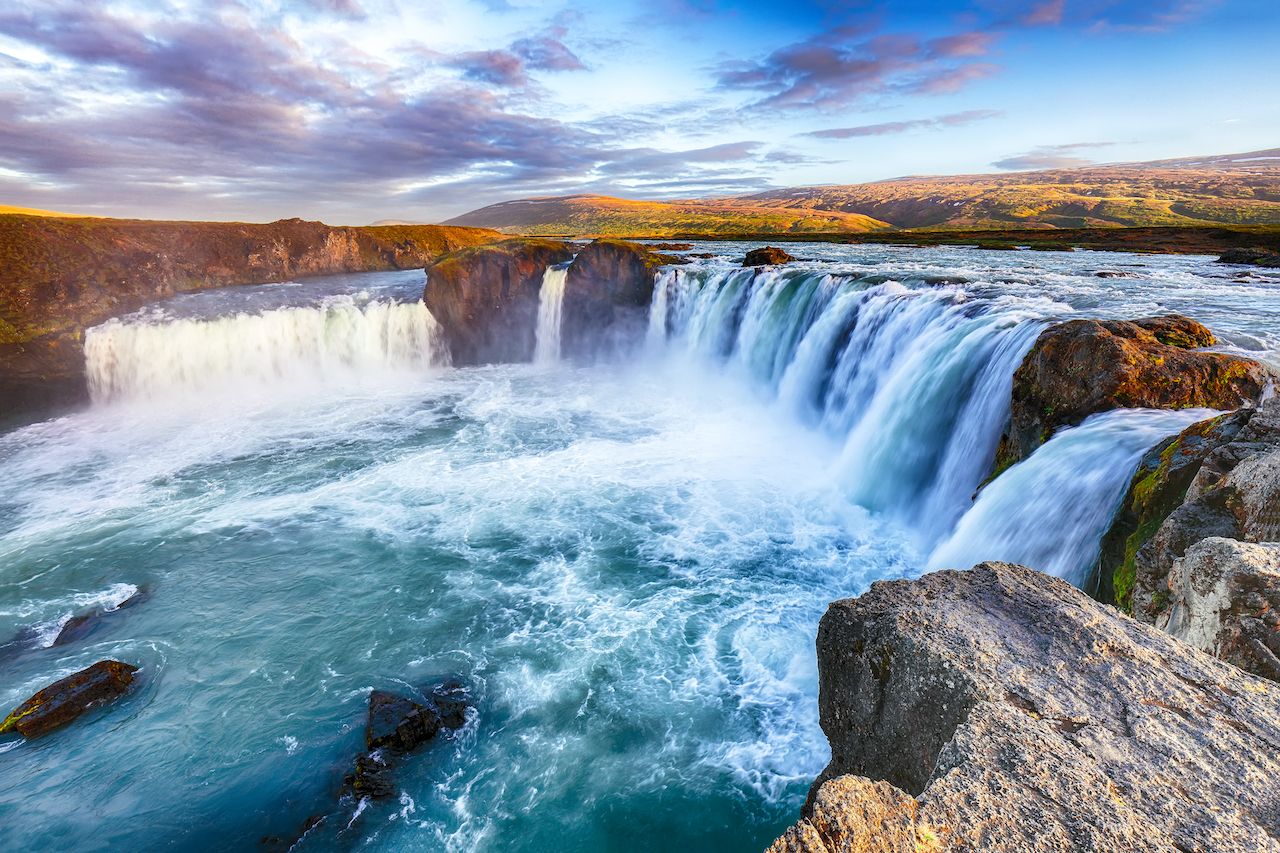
<point>1082,367</point>
<point>767,256</point>
<point>607,296</point>
<point>1224,599</point>
<point>63,701</point>
<point>1024,716</point>
<point>486,298</point>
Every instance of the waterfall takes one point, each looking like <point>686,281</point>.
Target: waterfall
<point>550,310</point>
<point>1051,510</point>
<point>147,358</point>
<point>915,382</point>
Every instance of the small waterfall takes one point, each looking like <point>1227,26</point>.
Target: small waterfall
<point>1051,510</point>
<point>550,311</point>
<point>337,339</point>
<point>914,381</point>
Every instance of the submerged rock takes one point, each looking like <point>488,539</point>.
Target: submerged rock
<point>767,256</point>
<point>63,701</point>
<point>1082,367</point>
<point>486,298</point>
<point>82,625</point>
<point>1000,709</point>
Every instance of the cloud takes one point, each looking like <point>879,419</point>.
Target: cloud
<point>842,66</point>
<point>894,127</point>
<point>1050,157</point>
<point>1046,14</point>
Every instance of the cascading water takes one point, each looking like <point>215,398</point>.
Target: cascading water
<point>1051,510</point>
<point>550,305</point>
<point>148,358</point>
<point>914,382</point>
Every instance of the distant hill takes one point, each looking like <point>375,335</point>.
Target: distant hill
<point>31,211</point>
<point>1233,189</point>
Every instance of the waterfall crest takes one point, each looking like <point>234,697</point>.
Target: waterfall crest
<point>144,358</point>
<point>550,313</point>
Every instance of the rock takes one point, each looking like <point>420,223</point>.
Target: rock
<point>399,723</point>
<point>62,276</point>
<point>1224,599</point>
<point>607,296</point>
<point>1021,715</point>
<point>1252,257</point>
<point>1082,367</point>
<point>82,625</point>
<point>769,255</point>
<point>1114,274</point>
<point>450,699</point>
<point>373,777</point>
<point>670,247</point>
<point>1218,478</point>
<point>486,298</point>
<point>63,701</point>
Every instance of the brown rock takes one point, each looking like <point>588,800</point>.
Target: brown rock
<point>769,255</point>
<point>63,701</point>
<point>1082,367</point>
<point>1021,715</point>
<point>861,816</point>
<point>607,296</point>
<point>486,298</point>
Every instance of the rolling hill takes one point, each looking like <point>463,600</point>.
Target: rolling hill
<point>1237,189</point>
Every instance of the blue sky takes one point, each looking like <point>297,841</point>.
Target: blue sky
<point>356,110</point>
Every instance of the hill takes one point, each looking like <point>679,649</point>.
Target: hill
<point>1234,189</point>
<point>32,211</point>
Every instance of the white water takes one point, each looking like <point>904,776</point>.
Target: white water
<point>1051,510</point>
<point>340,338</point>
<point>550,310</point>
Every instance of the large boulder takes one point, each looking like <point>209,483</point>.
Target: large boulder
<point>767,256</point>
<point>486,298</point>
<point>1224,599</point>
<point>66,699</point>
<point>607,296</point>
<point>1082,367</point>
<point>1218,478</point>
<point>1021,715</point>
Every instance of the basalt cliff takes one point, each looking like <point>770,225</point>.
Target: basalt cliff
<point>61,276</point>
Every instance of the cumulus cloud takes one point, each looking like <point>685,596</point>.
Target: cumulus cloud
<point>889,128</point>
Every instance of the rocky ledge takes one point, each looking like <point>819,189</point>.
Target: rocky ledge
<point>1082,367</point>
<point>999,709</point>
<point>61,276</point>
<point>486,298</point>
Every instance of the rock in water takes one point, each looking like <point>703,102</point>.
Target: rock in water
<point>1021,715</point>
<point>1252,257</point>
<point>1082,367</point>
<point>486,298</point>
<point>398,723</point>
<point>768,256</point>
<point>80,626</point>
<point>63,701</point>
<point>607,296</point>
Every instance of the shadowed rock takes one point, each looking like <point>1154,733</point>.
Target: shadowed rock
<point>1251,257</point>
<point>607,295</point>
<point>398,723</point>
<point>1020,715</point>
<point>80,626</point>
<point>1082,367</point>
<point>63,701</point>
<point>767,256</point>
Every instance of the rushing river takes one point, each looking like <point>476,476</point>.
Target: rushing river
<point>626,562</point>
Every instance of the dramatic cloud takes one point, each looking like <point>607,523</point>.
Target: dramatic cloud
<point>891,127</point>
<point>1050,157</point>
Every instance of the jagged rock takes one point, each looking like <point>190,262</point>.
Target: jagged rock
<point>450,700</point>
<point>767,256</point>
<point>373,776</point>
<point>1082,367</point>
<point>83,624</point>
<point>857,816</point>
<point>62,276</point>
<point>1252,257</point>
<point>1115,274</point>
<point>1021,715</point>
<point>607,295</point>
<point>399,723</point>
<point>1224,599</point>
<point>486,298</point>
<point>63,701</point>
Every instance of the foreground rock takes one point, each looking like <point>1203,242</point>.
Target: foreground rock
<point>1251,257</point>
<point>1082,367</point>
<point>63,701</point>
<point>83,624</point>
<point>61,276</point>
<point>1007,711</point>
<point>768,256</point>
<point>487,298</point>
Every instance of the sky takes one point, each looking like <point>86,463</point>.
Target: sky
<point>353,111</point>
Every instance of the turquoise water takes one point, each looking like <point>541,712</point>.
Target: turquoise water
<point>626,563</point>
